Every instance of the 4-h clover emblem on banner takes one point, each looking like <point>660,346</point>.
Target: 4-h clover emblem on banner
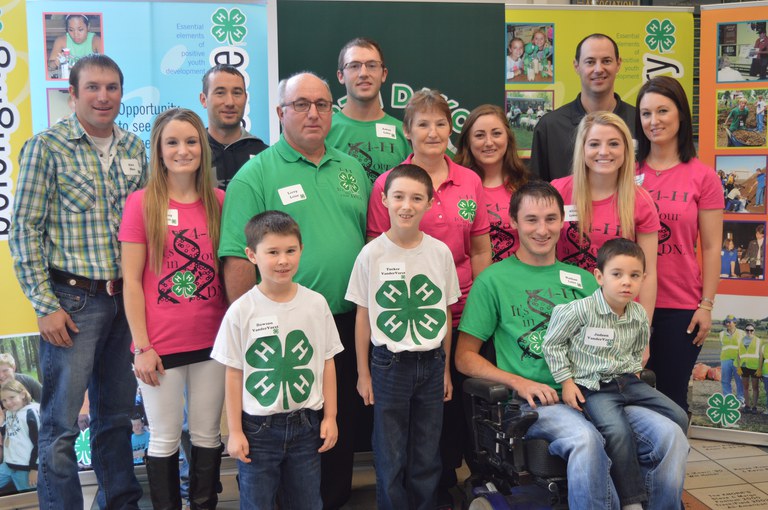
<point>279,372</point>
<point>723,409</point>
<point>229,26</point>
<point>415,310</point>
<point>83,447</point>
<point>660,35</point>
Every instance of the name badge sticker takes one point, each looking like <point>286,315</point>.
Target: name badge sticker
<point>173,217</point>
<point>599,337</point>
<point>386,131</point>
<point>571,279</point>
<point>261,327</point>
<point>130,166</point>
<point>570,213</point>
<point>291,194</point>
<point>391,271</point>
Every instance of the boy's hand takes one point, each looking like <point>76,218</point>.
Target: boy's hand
<point>365,389</point>
<point>572,394</point>
<point>447,386</point>
<point>329,433</point>
<point>33,477</point>
<point>237,447</point>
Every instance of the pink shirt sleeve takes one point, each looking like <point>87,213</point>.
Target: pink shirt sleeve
<point>132,229</point>
<point>646,215</point>
<point>378,216</point>
<point>482,224</point>
<point>711,189</point>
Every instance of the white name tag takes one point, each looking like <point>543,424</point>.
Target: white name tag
<point>599,337</point>
<point>570,213</point>
<point>571,279</point>
<point>173,217</point>
<point>130,166</point>
<point>261,327</point>
<point>291,194</point>
<point>386,131</point>
<point>390,271</point>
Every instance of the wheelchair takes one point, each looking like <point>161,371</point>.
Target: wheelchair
<point>509,471</point>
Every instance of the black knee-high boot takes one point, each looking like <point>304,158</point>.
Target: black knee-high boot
<point>204,467</point>
<point>164,485</point>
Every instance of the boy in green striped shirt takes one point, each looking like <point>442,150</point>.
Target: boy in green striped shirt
<point>594,348</point>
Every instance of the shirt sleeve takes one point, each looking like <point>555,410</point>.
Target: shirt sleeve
<point>538,164</point>
<point>480,316</point>
<point>228,348</point>
<point>243,200</point>
<point>452,287</point>
<point>333,344</point>
<point>646,215</point>
<point>641,341</point>
<point>359,281</point>
<point>481,225</point>
<point>26,241</point>
<point>711,190</point>
<point>563,327</point>
<point>32,426</point>
<point>378,216</point>
<point>132,228</point>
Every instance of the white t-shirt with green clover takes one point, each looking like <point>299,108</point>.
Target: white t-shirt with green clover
<point>281,349</point>
<point>406,292</point>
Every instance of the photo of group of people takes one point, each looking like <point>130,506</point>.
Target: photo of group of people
<point>741,117</point>
<point>530,53</point>
<point>742,51</point>
<point>69,37</point>
<point>743,254</point>
<point>524,109</point>
<point>743,180</point>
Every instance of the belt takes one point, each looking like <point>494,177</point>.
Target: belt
<point>411,354</point>
<point>294,417</point>
<point>110,287</point>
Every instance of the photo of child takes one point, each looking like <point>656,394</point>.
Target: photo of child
<point>741,118</point>
<point>68,38</point>
<point>530,53</point>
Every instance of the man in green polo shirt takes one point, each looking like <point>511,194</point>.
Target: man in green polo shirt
<point>326,192</point>
<point>362,129</point>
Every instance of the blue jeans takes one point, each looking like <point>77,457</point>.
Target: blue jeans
<point>407,418</point>
<point>605,409</point>
<point>19,478</point>
<point>760,194</point>
<point>284,461</point>
<point>728,372</point>
<point>99,361</point>
<point>761,121</point>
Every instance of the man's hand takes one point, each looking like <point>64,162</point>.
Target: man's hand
<point>572,394</point>
<point>54,328</point>
<point>530,390</point>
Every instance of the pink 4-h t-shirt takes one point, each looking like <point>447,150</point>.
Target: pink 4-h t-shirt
<point>605,225</point>
<point>680,193</point>
<point>457,214</point>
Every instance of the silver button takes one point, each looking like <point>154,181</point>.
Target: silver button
<point>72,282</point>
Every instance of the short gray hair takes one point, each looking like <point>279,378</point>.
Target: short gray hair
<point>283,84</point>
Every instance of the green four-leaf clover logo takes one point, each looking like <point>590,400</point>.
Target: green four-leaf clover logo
<point>83,447</point>
<point>723,409</point>
<point>228,25</point>
<point>348,182</point>
<point>660,35</point>
<point>414,311</point>
<point>535,340</point>
<point>467,209</point>
<point>279,372</point>
<point>184,284</point>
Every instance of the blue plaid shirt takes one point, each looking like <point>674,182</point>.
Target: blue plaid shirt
<point>68,207</point>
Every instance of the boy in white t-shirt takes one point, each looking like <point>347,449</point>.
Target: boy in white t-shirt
<point>278,341</point>
<point>403,283</point>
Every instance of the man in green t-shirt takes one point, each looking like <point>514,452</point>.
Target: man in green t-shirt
<point>362,129</point>
<point>511,302</point>
<point>738,116</point>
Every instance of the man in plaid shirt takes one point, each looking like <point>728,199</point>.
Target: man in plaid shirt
<point>73,181</point>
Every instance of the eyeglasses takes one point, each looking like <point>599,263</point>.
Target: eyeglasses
<point>303,105</point>
<point>371,65</point>
<point>750,330</point>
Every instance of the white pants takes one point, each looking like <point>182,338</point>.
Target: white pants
<point>164,405</point>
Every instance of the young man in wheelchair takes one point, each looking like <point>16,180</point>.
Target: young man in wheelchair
<point>511,302</point>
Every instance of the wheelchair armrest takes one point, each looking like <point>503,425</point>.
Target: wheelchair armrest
<point>484,389</point>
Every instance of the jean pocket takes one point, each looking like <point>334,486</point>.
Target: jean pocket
<point>72,301</point>
<point>76,190</point>
<point>253,426</point>
<point>382,359</point>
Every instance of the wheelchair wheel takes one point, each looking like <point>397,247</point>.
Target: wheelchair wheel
<point>481,504</point>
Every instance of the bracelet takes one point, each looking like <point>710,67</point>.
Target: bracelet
<point>141,350</point>
<point>710,301</point>
<point>705,307</point>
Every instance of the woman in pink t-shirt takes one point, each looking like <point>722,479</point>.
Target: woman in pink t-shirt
<point>487,146</point>
<point>689,197</point>
<point>174,302</point>
<point>602,201</point>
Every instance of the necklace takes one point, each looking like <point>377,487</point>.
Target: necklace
<point>664,166</point>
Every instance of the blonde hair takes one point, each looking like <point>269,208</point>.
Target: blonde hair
<point>156,195</point>
<point>15,386</point>
<point>624,198</point>
<point>7,359</point>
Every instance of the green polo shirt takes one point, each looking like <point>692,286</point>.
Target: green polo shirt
<point>329,202</point>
